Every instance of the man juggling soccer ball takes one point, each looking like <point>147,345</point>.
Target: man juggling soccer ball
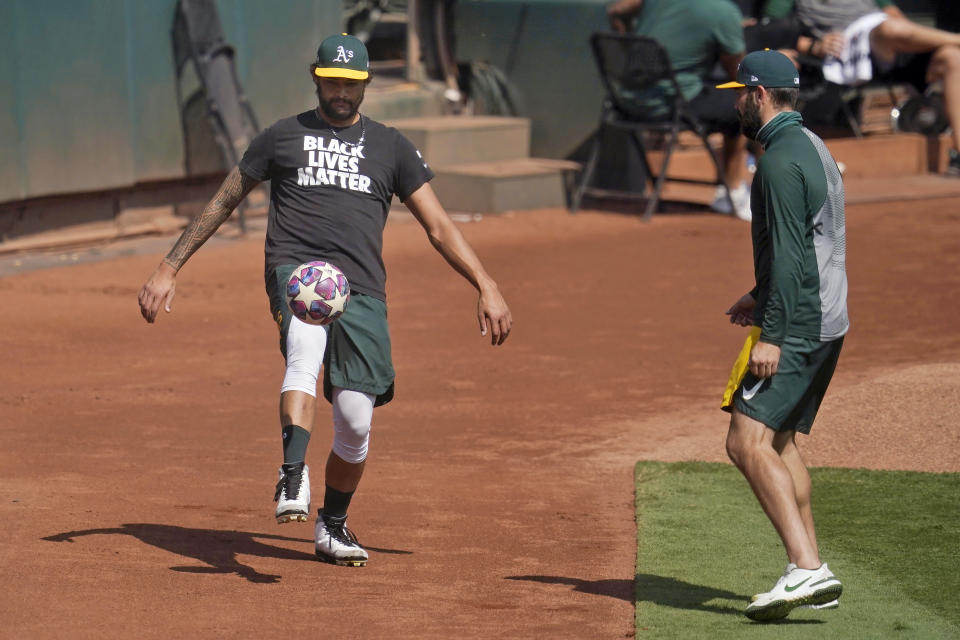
<point>333,173</point>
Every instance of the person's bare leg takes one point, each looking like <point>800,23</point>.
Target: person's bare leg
<point>750,447</point>
<point>898,35</point>
<point>342,475</point>
<point>785,443</point>
<point>945,67</point>
<point>299,408</point>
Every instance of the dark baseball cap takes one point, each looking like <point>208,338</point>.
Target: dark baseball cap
<point>769,68</point>
<point>342,56</point>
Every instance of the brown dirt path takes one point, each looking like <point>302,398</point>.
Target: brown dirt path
<point>137,462</point>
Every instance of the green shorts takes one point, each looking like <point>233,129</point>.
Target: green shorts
<point>789,400</point>
<point>358,342</point>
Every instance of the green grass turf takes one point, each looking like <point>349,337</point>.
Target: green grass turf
<point>704,547</point>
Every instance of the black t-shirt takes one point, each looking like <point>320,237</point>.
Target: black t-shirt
<point>329,199</point>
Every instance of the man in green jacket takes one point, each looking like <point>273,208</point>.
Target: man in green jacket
<point>798,310</point>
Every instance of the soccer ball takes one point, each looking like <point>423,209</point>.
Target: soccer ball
<point>318,292</point>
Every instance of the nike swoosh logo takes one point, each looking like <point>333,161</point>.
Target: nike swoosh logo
<point>752,391</point>
<point>788,588</point>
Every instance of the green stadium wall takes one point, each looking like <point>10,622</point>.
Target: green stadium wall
<point>88,101</point>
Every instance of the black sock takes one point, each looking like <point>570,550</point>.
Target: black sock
<point>295,441</point>
<point>335,503</point>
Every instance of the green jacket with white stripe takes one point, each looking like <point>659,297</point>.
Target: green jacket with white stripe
<point>799,236</point>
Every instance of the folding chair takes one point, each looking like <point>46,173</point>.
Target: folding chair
<point>634,64</point>
<point>198,38</point>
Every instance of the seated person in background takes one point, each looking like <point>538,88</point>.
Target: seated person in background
<point>697,34</point>
<point>857,38</point>
<point>762,32</point>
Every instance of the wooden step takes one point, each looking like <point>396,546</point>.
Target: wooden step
<point>857,190</point>
<point>506,185</point>
<point>446,140</point>
<point>903,188</point>
<point>889,155</point>
<point>892,155</point>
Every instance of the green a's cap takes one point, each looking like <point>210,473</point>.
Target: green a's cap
<point>342,56</point>
<point>771,69</point>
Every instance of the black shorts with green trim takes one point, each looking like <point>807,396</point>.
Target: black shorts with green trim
<point>790,399</point>
<point>358,355</point>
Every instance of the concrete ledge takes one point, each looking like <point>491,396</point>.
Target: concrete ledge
<point>496,187</point>
<point>91,218</point>
<point>384,102</point>
<point>94,233</point>
<point>450,140</point>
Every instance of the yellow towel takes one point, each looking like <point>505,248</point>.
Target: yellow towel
<point>739,368</point>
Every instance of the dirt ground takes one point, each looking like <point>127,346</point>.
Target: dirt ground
<point>137,462</point>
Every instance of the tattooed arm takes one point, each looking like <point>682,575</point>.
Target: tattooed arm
<point>234,189</point>
<point>159,289</point>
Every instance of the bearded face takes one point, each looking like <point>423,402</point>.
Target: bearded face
<point>340,98</point>
<point>748,112</point>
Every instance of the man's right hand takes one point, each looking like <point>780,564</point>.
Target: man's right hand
<point>831,44</point>
<point>741,312</point>
<point>157,291</point>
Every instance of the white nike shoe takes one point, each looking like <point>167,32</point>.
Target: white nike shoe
<point>790,567</point>
<point>293,493</point>
<point>740,197</point>
<point>336,544</point>
<point>797,587</point>
<point>833,604</point>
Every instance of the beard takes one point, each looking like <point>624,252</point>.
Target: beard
<point>750,121</point>
<point>339,109</point>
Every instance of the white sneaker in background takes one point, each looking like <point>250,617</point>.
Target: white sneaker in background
<point>740,195</point>
<point>741,205</point>
<point>720,202</point>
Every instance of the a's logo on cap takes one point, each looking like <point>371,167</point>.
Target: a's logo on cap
<point>343,55</point>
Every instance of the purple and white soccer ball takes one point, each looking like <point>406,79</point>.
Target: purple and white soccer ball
<point>318,292</point>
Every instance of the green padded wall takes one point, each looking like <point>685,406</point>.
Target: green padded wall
<point>89,101</point>
<point>543,48</point>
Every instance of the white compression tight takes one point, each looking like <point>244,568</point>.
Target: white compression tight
<point>305,346</point>
<point>352,410</point>
<point>352,415</point>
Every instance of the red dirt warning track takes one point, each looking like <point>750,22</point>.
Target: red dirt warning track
<point>137,462</point>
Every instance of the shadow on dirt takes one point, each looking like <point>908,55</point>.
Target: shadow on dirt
<point>622,589</point>
<point>668,592</point>
<point>649,588</point>
<point>217,549</point>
